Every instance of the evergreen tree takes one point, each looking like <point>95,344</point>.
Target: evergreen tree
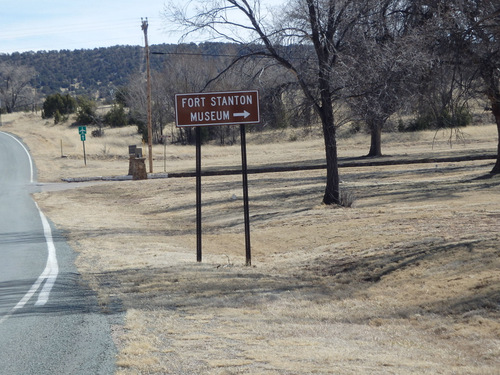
<point>86,113</point>
<point>65,105</point>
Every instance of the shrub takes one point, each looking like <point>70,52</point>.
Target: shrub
<point>57,117</point>
<point>58,103</point>
<point>135,117</point>
<point>346,198</point>
<point>86,113</point>
<point>445,119</point>
<point>116,117</point>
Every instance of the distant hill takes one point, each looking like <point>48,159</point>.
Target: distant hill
<point>98,70</point>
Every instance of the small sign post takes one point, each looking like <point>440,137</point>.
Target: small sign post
<point>219,108</point>
<point>82,130</point>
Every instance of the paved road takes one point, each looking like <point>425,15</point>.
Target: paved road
<point>50,322</point>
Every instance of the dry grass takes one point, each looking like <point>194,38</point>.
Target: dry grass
<point>406,281</point>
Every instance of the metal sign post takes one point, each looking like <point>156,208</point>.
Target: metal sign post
<point>83,131</point>
<point>82,137</point>
<point>198,195</point>
<point>248,255</point>
<point>219,108</point>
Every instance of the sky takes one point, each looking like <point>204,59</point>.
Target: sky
<point>35,25</point>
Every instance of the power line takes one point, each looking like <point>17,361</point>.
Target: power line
<point>195,54</point>
<point>258,54</point>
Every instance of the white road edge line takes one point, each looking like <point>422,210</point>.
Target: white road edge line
<point>49,273</point>
<point>51,268</point>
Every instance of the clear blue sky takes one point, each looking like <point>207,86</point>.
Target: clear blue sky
<point>34,25</point>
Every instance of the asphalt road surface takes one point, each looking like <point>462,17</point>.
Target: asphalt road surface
<point>50,322</point>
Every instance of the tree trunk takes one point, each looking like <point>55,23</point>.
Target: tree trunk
<point>496,113</point>
<point>332,190</point>
<point>376,139</point>
<point>493,93</point>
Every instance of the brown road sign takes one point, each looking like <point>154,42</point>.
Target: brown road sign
<point>217,108</point>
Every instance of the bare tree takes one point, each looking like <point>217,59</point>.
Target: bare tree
<point>282,102</point>
<point>135,97</point>
<point>482,40</point>
<point>386,64</point>
<point>468,36</point>
<point>444,99</point>
<point>15,89</point>
<point>189,69</point>
<point>323,26</point>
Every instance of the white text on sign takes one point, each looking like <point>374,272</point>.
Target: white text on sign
<point>217,101</point>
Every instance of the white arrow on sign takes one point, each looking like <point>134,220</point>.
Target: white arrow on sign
<point>244,114</point>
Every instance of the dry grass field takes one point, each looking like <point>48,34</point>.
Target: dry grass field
<point>406,281</point>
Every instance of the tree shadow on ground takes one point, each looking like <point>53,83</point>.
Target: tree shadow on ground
<point>204,286</point>
<point>463,259</point>
<point>70,295</point>
<point>199,286</point>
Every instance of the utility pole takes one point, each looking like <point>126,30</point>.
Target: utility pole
<point>148,80</point>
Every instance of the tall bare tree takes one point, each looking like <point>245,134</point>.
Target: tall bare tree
<point>386,63</point>
<point>468,36</point>
<point>324,26</point>
<point>481,37</point>
<point>15,89</point>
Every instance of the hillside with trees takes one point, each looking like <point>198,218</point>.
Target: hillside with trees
<point>100,71</point>
<point>93,72</point>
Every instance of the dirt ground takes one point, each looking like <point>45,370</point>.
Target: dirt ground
<point>406,281</point>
